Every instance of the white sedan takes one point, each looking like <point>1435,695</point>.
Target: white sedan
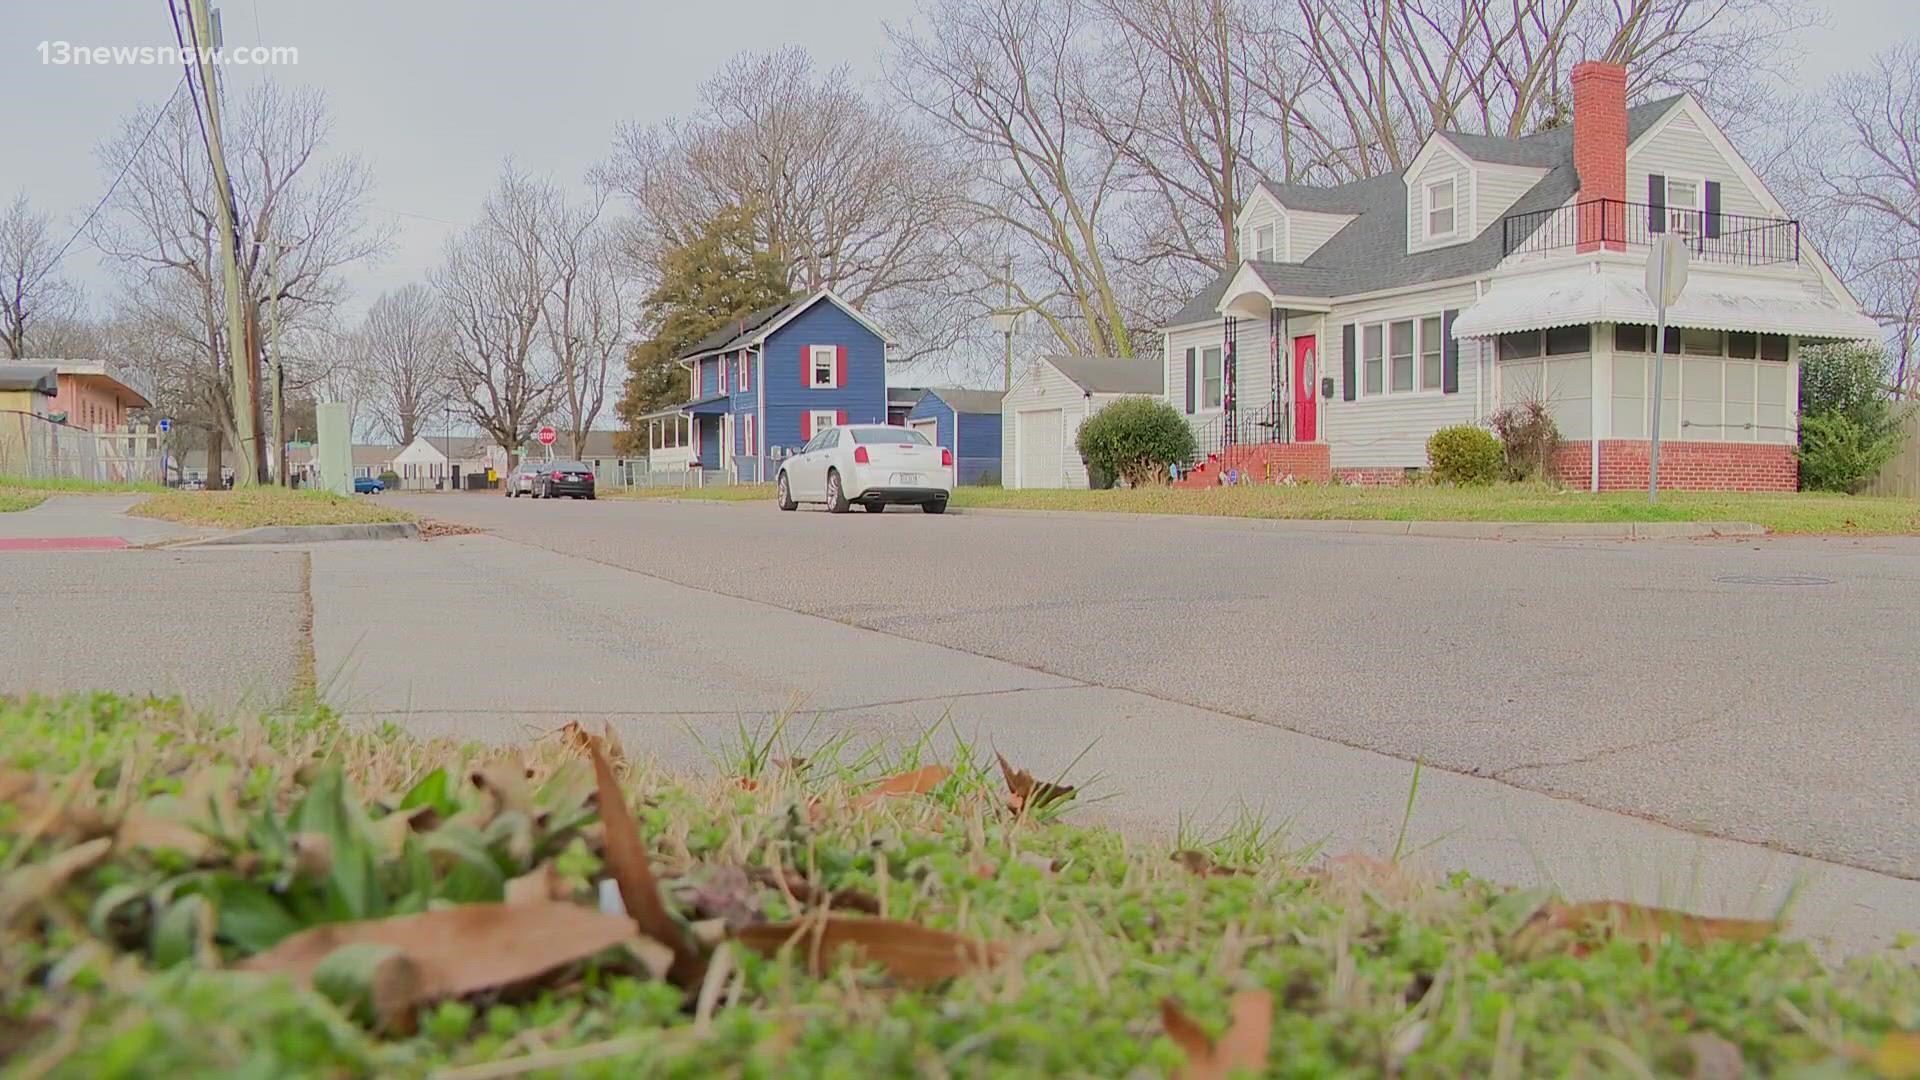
<point>869,464</point>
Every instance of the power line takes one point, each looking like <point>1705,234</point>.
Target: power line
<point>188,63</point>
<point>125,167</point>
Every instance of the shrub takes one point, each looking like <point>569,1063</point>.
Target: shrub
<point>390,478</point>
<point>1465,455</point>
<point>1839,453</point>
<point>1135,439</point>
<point>1844,378</point>
<point>1528,437</point>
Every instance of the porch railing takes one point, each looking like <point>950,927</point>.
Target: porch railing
<point>1737,239</point>
<point>1269,423</point>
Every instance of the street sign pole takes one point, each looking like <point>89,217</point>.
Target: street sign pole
<point>1666,276</point>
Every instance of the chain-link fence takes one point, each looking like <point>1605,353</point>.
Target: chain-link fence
<point>36,447</point>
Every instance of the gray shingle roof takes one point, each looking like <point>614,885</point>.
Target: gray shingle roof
<point>39,378</point>
<point>1111,375</point>
<point>969,401</point>
<point>1371,252</point>
<point>739,328</point>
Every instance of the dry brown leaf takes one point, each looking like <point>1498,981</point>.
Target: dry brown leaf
<point>1714,1058</point>
<point>1647,925</point>
<point>626,858</point>
<point>312,856</point>
<point>1896,1057</point>
<point>1242,1046</point>
<point>390,832</point>
<point>460,950</point>
<point>1201,863</point>
<point>1024,791</point>
<point>574,735</point>
<point>32,884</point>
<point>506,785</point>
<point>918,782</point>
<point>35,810</point>
<point>909,952</point>
<point>143,827</point>
<point>540,885</point>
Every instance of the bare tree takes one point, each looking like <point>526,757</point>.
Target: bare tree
<point>30,294</point>
<point>494,284</point>
<point>403,345</point>
<point>586,313</point>
<point>1858,176</point>
<point>853,198</point>
<point>1005,79</point>
<point>302,220</point>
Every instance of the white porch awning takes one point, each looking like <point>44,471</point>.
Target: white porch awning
<point>1591,293</point>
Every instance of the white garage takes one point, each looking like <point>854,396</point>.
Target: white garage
<point>1041,414</point>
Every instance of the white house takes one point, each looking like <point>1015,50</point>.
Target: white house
<point>1040,414</point>
<point>1496,270</point>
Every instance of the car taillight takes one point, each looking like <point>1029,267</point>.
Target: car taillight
<point>946,457</point>
<point>860,455</point>
<point>589,476</point>
<point>558,475</point>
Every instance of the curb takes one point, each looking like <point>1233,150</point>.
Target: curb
<point>307,534</point>
<point>1460,530</point>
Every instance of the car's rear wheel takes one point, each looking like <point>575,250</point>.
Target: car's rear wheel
<point>937,506</point>
<point>836,495</point>
<point>784,498</point>
<point>874,508</point>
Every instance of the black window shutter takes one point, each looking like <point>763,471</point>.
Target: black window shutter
<point>1347,382</point>
<point>1190,353</point>
<point>1449,354</point>
<point>1713,208</point>
<point>1656,203</point>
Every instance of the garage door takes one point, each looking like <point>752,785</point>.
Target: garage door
<point>929,428</point>
<point>1040,465</point>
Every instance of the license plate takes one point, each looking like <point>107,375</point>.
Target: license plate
<point>908,478</point>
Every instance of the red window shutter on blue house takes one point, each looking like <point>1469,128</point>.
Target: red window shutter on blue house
<point>840,369</point>
<point>840,416</point>
<point>806,425</point>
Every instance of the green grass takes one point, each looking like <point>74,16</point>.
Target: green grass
<point>12,500</point>
<point>71,486</point>
<point>1802,512</point>
<point>126,969</point>
<point>248,508</point>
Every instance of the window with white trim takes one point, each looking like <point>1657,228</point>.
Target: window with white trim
<point>1440,215</point>
<point>749,429</point>
<point>1686,205</point>
<point>1264,248</point>
<point>824,369</point>
<point>819,420</point>
<point>1211,378</point>
<point>1400,355</point>
<point>1373,359</point>
<point>744,368</point>
<point>1430,350</point>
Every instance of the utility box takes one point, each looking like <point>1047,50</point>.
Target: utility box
<point>336,448</point>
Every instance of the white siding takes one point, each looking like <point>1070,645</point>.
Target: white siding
<point>1043,388</point>
<point>1262,210</point>
<point>1254,367</point>
<point>1497,189</point>
<point>1310,230</point>
<point>1681,148</point>
<point>1392,431</point>
<point>1440,165</point>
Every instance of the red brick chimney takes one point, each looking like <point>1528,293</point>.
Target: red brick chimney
<point>1600,153</point>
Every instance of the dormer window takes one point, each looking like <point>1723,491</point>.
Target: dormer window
<point>1263,246</point>
<point>1440,209</point>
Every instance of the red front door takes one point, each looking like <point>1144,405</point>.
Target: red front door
<point>1306,391</point>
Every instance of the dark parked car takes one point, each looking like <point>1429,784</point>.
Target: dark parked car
<point>368,485</point>
<point>557,479</point>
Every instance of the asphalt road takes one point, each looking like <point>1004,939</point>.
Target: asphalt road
<point>1755,690</point>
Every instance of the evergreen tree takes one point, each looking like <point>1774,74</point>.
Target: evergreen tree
<point>715,277</point>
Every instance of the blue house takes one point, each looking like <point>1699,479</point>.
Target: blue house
<point>966,422</point>
<point>765,383</point>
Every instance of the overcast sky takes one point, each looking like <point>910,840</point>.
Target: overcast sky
<point>435,93</point>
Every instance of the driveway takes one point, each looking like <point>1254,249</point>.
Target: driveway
<point>1756,690</point>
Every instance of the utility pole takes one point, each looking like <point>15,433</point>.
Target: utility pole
<point>239,343</point>
<point>1006,367</point>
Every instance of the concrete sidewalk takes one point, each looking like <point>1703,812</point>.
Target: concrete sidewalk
<point>94,516</point>
<point>481,638</point>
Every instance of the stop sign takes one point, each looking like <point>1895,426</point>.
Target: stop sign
<point>547,435</point>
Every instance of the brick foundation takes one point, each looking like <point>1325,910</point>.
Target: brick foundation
<point>1684,466</point>
<point>1264,463</point>
<point>1371,477</point>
